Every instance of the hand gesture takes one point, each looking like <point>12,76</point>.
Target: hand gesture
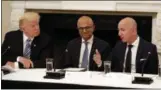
<point>97,57</point>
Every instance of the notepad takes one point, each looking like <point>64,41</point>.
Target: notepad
<point>75,69</point>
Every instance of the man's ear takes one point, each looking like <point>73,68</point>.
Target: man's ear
<point>22,27</point>
<point>93,28</point>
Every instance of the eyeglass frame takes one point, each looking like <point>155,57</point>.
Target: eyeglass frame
<point>85,28</point>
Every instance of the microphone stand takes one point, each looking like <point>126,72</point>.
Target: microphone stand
<point>6,50</point>
<point>143,80</point>
<point>5,69</point>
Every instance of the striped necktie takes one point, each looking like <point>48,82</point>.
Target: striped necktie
<point>27,50</point>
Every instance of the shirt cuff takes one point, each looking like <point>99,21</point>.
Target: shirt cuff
<point>16,65</point>
<point>99,65</point>
<point>18,58</point>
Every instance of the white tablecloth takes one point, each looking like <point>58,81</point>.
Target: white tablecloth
<point>122,80</point>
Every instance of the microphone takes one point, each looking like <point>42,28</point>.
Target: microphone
<point>6,50</point>
<point>6,69</point>
<point>145,60</point>
<point>143,80</point>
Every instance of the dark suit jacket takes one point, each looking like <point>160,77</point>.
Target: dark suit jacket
<point>151,64</point>
<point>40,48</point>
<point>74,46</point>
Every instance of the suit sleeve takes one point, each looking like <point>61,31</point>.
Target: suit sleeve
<point>114,59</point>
<point>153,61</point>
<point>6,54</point>
<point>67,62</point>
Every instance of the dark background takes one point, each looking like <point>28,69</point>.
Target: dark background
<point>63,28</point>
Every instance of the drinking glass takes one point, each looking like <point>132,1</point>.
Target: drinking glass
<point>107,67</point>
<point>49,64</point>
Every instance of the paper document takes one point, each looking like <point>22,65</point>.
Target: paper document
<point>8,68</point>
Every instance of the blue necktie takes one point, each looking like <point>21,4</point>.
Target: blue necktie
<point>27,50</point>
<point>85,56</point>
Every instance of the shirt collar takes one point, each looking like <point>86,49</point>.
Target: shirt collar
<point>89,40</point>
<point>25,38</point>
<point>136,42</point>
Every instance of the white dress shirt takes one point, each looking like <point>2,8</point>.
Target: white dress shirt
<point>24,46</point>
<point>90,42</point>
<point>134,53</point>
<point>24,41</point>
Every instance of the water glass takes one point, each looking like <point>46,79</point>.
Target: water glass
<point>49,64</point>
<point>107,66</point>
<point>159,71</point>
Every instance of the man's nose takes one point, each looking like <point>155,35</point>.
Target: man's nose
<point>37,27</point>
<point>84,30</point>
<point>119,33</point>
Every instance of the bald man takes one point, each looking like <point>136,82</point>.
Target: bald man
<point>26,47</point>
<point>86,51</point>
<point>132,53</point>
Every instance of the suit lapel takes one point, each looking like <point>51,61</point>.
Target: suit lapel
<point>91,61</point>
<point>139,53</point>
<point>77,51</point>
<point>122,55</point>
<point>36,47</point>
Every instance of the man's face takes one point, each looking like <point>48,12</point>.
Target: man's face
<point>125,32</point>
<point>86,29</point>
<point>31,28</point>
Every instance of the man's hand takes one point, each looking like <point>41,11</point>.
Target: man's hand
<point>27,63</point>
<point>97,58</point>
<point>9,63</point>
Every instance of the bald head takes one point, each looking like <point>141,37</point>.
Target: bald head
<point>128,22</point>
<point>86,27</point>
<point>128,30</point>
<point>85,19</point>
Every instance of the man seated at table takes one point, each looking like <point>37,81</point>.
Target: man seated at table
<point>133,53</point>
<point>86,51</point>
<point>26,47</point>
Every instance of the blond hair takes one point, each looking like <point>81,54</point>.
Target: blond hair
<point>29,16</point>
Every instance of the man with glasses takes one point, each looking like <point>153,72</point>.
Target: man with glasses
<point>86,51</point>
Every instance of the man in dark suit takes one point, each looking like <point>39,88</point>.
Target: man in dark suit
<point>86,51</point>
<point>133,53</point>
<point>26,47</point>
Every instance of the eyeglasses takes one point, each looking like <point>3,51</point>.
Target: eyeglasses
<point>85,28</point>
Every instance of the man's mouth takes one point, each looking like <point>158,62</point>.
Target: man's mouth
<point>121,38</point>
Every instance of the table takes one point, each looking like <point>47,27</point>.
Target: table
<point>33,78</point>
